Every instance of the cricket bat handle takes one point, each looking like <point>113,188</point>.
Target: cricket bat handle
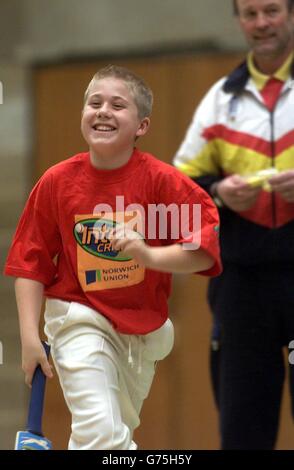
<point>34,422</point>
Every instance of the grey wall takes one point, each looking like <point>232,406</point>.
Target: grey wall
<point>57,28</point>
<point>15,127</point>
<point>10,27</point>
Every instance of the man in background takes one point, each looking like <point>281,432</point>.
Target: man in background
<point>240,148</point>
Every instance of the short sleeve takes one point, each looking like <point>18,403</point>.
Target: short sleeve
<point>37,240</point>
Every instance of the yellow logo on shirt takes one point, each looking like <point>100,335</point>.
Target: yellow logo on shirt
<point>99,265</point>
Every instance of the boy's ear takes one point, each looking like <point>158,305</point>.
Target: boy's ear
<point>143,128</point>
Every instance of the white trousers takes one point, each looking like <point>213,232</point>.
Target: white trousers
<point>105,375</point>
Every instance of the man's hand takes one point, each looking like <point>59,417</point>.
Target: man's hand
<point>236,193</point>
<point>284,184</point>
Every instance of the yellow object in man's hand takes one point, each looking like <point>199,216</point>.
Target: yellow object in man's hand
<point>261,177</point>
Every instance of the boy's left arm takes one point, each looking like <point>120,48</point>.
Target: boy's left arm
<point>173,258</point>
<point>194,247</point>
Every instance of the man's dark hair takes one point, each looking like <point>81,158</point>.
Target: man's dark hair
<point>236,11</point>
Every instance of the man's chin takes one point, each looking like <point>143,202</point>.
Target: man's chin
<point>265,50</point>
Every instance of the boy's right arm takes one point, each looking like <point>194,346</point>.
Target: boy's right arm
<point>29,297</point>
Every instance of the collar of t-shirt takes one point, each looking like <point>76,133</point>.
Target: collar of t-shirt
<point>270,86</point>
<point>116,175</point>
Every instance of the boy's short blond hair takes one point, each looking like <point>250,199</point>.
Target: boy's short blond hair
<point>141,92</point>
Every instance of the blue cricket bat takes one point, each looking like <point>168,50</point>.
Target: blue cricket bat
<point>33,438</point>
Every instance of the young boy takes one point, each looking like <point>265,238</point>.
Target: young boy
<point>99,238</point>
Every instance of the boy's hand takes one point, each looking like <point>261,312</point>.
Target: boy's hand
<point>34,354</point>
<point>130,242</point>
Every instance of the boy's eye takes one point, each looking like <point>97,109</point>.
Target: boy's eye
<point>94,104</point>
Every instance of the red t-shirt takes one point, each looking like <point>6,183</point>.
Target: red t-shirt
<point>62,237</point>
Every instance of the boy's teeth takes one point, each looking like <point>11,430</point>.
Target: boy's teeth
<point>104,128</point>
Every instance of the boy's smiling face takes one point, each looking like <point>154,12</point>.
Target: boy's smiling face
<point>110,122</point>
